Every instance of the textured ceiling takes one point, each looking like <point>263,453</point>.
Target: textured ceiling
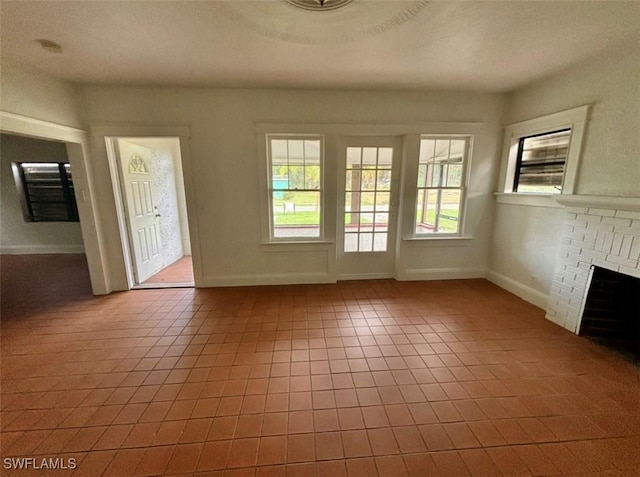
<point>488,46</point>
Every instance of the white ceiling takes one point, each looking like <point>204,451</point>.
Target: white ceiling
<point>475,45</point>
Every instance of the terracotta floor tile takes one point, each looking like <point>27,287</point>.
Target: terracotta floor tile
<point>184,459</point>
<point>154,461</point>
<point>195,430</point>
<point>222,428</point>
<point>450,463</point>
<point>214,455</point>
<point>273,450</point>
<point>382,442</point>
<point>124,462</point>
<point>249,425</point>
<point>275,424</point>
<point>392,466</point>
<point>329,446</point>
<point>435,437</point>
<point>300,448</point>
<point>356,378</point>
<point>356,444</point>
<point>375,416</point>
<point>461,435</point>
<point>244,453</point>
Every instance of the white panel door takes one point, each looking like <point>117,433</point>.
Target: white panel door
<point>142,213</point>
<point>367,215</point>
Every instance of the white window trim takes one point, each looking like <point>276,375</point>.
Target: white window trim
<point>412,178</point>
<point>575,119</point>
<point>265,179</point>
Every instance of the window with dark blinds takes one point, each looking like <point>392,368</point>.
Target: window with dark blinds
<point>48,192</point>
<point>541,162</point>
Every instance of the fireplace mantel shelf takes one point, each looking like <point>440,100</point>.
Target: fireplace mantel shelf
<point>600,201</point>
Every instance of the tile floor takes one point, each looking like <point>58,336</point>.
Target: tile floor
<point>371,378</point>
<point>181,271</point>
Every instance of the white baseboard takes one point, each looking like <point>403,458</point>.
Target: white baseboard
<point>40,249</point>
<point>265,279</point>
<point>528,294</point>
<point>364,276</point>
<point>457,273</point>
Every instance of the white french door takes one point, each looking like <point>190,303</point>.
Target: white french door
<point>367,206</point>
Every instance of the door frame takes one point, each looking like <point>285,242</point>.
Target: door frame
<point>394,235</point>
<point>77,144</point>
<point>183,134</point>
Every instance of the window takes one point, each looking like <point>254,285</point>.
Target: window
<point>441,184</point>
<point>47,191</point>
<point>541,161</point>
<point>541,156</point>
<point>295,186</point>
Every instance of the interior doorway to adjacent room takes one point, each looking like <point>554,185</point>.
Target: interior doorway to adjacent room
<point>153,205</point>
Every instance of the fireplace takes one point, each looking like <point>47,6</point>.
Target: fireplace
<point>601,235</point>
<point>612,311</point>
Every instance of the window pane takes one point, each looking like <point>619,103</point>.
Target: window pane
<point>312,152</point>
<point>312,177</point>
<point>280,177</point>
<point>426,150</point>
<point>296,177</point>
<point>438,211</point>
<point>279,152</point>
<point>422,175</point>
<point>296,151</point>
<point>296,214</point>
<point>541,162</point>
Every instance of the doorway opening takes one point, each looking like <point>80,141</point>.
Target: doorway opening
<point>153,204</point>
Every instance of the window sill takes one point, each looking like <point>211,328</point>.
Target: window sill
<point>532,200</point>
<point>446,241</point>
<point>296,245</point>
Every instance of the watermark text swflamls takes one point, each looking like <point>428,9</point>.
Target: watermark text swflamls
<point>37,463</point>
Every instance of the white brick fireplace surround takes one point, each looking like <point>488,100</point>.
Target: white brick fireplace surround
<point>598,231</point>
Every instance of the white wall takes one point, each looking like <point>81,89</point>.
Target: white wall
<point>223,160</point>
<point>32,94</point>
<point>17,235</point>
<point>526,238</point>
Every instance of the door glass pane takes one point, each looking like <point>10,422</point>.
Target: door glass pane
<point>380,242</point>
<point>369,156</point>
<point>351,242</point>
<point>353,157</point>
<point>383,181</point>
<point>367,200</point>
<point>382,201</point>
<point>382,222</point>
<point>385,157</point>
<point>365,242</point>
